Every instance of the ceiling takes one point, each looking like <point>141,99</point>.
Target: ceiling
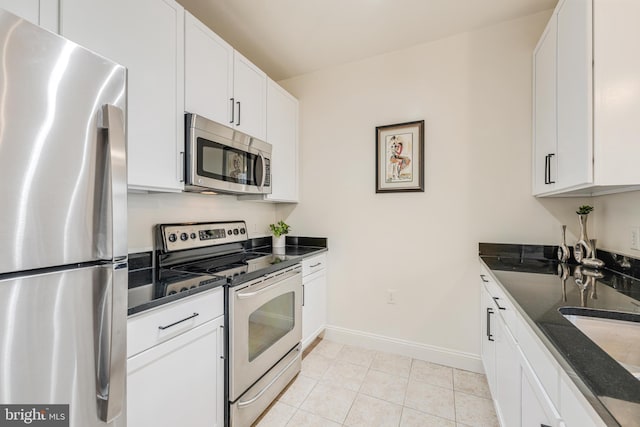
<point>286,38</point>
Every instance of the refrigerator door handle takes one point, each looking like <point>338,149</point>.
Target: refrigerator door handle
<point>113,121</point>
<point>112,344</point>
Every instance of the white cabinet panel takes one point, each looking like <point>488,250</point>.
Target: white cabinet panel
<point>314,298</point>
<point>574,56</point>
<point>250,97</point>
<point>282,134</point>
<point>208,72</point>
<point>40,12</point>
<point>507,376</point>
<point>147,37</point>
<point>596,99</point>
<point>179,382</point>
<point>221,84</point>
<point>544,109</point>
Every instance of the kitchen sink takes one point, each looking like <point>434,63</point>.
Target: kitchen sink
<point>618,334</point>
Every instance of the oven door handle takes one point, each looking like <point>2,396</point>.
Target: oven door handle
<point>272,382</point>
<point>280,280</point>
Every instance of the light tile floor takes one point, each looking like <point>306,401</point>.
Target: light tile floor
<point>343,385</point>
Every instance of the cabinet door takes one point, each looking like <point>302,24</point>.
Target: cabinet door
<point>179,382</point>
<point>282,134</point>
<point>314,306</point>
<point>208,72</point>
<point>575,93</point>
<point>488,343</point>
<point>533,413</point>
<point>250,94</point>
<point>147,37</point>
<point>544,111</point>
<point>40,12</point>
<point>507,376</point>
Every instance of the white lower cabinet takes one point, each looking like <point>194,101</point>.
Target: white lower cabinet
<point>177,379</point>
<point>501,362</point>
<point>314,298</point>
<point>528,386</point>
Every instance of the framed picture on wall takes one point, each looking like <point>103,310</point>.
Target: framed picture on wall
<point>400,157</point>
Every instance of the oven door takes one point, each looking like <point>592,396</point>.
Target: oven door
<point>265,324</point>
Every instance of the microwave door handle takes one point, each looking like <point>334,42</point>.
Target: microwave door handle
<point>264,170</point>
<point>116,217</point>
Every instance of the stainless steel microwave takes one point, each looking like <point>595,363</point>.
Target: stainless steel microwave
<point>222,160</point>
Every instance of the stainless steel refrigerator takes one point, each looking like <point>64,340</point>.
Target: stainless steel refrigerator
<point>63,250</point>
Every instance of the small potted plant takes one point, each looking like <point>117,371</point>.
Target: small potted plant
<point>280,231</point>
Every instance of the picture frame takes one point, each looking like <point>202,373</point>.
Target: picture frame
<point>400,157</point>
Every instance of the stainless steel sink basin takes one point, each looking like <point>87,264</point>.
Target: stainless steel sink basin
<point>618,337</point>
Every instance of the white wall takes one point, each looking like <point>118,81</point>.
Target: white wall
<point>614,215</point>
<point>146,210</point>
<point>474,93</point>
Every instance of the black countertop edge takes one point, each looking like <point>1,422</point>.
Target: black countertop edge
<point>175,297</point>
<point>621,264</point>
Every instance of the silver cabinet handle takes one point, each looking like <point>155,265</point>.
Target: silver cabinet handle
<point>264,390</point>
<point>498,304</point>
<point>113,121</point>
<point>162,328</point>
<point>489,335</point>
<point>238,104</point>
<point>315,265</point>
<point>233,110</point>
<point>111,344</point>
<point>484,278</point>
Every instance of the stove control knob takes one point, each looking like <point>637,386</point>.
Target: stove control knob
<point>235,231</point>
<point>193,235</point>
<point>229,232</point>
<point>242,231</point>
<point>173,237</point>
<point>184,237</point>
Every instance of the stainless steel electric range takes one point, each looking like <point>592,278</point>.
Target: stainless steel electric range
<point>263,307</point>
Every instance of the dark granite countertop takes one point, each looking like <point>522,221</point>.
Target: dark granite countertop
<point>531,276</point>
<point>148,288</point>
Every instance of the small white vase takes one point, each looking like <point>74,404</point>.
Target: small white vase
<point>278,244</point>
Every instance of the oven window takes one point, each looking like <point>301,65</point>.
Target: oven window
<point>270,322</point>
<point>225,163</point>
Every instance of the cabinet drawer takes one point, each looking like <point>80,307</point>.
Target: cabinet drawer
<point>503,304</point>
<point>313,264</point>
<point>543,364</point>
<point>155,326</point>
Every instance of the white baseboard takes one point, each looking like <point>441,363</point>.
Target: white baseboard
<point>430,353</point>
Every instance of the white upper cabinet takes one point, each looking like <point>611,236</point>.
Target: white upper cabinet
<point>544,111</point>
<point>574,94</point>
<point>250,97</point>
<point>208,72</point>
<point>282,134</point>
<point>147,37</point>
<point>40,12</point>
<point>221,84</point>
<point>586,99</point>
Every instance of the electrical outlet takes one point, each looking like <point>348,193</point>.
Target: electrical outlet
<point>635,238</point>
<point>391,296</point>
